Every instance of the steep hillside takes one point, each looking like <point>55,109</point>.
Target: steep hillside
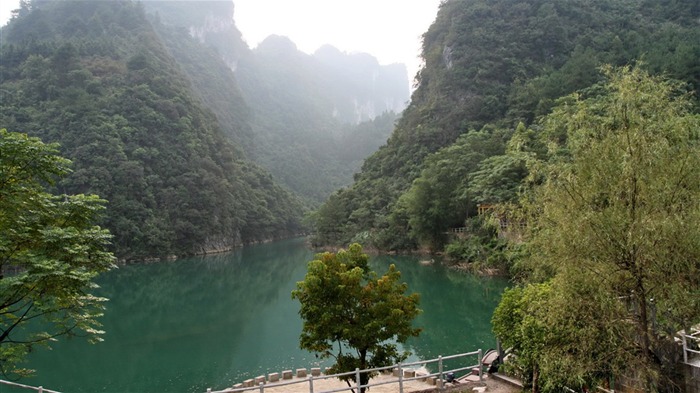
<point>302,110</point>
<point>210,22</point>
<point>208,69</point>
<point>490,65</point>
<point>95,77</point>
<point>297,106</point>
<point>358,87</point>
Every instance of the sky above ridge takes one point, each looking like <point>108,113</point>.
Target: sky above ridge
<point>390,30</point>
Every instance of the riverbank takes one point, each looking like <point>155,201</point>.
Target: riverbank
<point>428,258</point>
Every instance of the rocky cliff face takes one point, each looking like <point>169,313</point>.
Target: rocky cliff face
<point>210,22</point>
<point>360,88</point>
<point>354,85</point>
<point>298,111</point>
<point>214,26</point>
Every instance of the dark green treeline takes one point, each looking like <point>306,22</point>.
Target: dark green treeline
<point>95,77</point>
<point>492,69</point>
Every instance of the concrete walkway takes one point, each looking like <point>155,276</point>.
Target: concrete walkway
<point>301,385</point>
<point>325,385</point>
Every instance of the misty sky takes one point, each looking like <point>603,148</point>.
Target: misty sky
<point>390,30</point>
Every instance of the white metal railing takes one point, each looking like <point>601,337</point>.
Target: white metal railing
<point>401,379</point>
<point>40,389</point>
<point>694,336</point>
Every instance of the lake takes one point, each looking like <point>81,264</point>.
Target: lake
<point>194,323</point>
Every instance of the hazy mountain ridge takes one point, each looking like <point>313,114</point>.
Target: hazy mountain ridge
<point>209,21</point>
<point>358,86</point>
<point>130,98</point>
<point>297,105</point>
<point>95,77</point>
<point>490,65</point>
<point>373,88</point>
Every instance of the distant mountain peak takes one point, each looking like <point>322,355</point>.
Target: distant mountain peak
<point>209,21</point>
<point>278,43</point>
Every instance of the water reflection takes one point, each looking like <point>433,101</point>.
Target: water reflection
<point>186,325</point>
<point>457,307</point>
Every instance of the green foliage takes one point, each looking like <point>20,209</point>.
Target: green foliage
<point>50,252</point>
<point>614,218</point>
<point>498,179</point>
<point>501,63</point>
<point>97,78</point>
<point>518,323</point>
<point>352,314</point>
<point>306,119</point>
<point>482,247</point>
<point>310,125</point>
<point>440,198</point>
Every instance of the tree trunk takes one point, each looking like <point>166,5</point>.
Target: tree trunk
<point>643,327</point>
<point>364,377</point>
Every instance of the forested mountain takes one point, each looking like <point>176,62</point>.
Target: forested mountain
<point>210,22</point>
<point>302,106</point>
<point>97,78</point>
<point>299,106</point>
<point>491,67</point>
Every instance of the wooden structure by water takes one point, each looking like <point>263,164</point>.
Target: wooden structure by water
<point>505,227</point>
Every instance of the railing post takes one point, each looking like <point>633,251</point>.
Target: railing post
<point>311,384</point>
<point>685,348</point>
<point>208,390</point>
<point>357,379</point>
<point>400,378</point>
<point>262,387</point>
<point>481,367</point>
<point>442,382</point>
<point>41,389</point>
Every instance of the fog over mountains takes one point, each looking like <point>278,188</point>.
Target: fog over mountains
<point>198,142</point>
<point>300,105</point>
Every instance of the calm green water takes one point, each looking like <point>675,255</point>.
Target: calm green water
<point>194,323</point>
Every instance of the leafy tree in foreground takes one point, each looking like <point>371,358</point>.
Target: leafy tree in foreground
<point>50,251</point>
<point>353,315</point>
<point>615,227</point>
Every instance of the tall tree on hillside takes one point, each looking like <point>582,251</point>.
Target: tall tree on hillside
<point>616,224</point>
<point>50,252</point>
<point>347,308</point>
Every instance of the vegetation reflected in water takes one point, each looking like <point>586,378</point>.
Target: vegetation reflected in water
<point>212,321</point>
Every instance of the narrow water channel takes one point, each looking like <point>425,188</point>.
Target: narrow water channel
<point>189,324</point>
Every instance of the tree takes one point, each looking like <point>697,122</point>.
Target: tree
<point>346,307</point>
<point>441,198</point>
<point>518,323</point>
<point>614,229</point>
<point>50,252</point>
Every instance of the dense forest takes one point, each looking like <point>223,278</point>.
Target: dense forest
<point>561,138</point>
<point>607,221</point>
<point>300,111</point>
<point>573,123</point>
<point>95,77</point>
<point>492,70</point>
<point>303,105</point>
<point>198,143</point>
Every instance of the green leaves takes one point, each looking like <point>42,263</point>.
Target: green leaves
<point>50,251</point>
<point>99,80</point>
<point>346,306</point>
<point>615,216</point>
<point>495,62</point>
